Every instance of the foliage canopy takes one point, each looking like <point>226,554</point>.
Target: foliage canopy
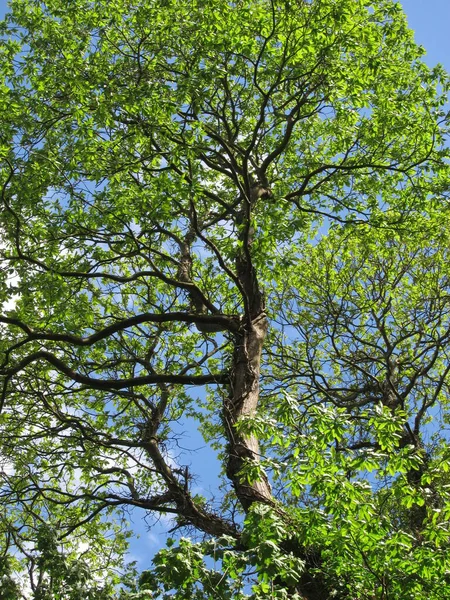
<point>229,216</point>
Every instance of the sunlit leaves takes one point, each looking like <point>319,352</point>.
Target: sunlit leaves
<point>153,156</point>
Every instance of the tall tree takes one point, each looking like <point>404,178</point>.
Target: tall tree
<point>235,214</point>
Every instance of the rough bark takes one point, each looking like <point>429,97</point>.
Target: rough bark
<point>241,403</point>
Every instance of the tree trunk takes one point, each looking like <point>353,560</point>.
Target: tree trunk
<point>243,398</point>
<point>242,402</point>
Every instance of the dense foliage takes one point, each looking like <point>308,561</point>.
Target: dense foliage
<point>229,217</point>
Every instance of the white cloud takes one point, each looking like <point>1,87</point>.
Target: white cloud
<point>6,467</point>
<point>153,539</point>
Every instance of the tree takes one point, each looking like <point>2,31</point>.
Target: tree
<point>232,215</point>
<point>57,573</point>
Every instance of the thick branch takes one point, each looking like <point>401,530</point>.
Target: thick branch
<point>111,384</point>
<point>222,321</point>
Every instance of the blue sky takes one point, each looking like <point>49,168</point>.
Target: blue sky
<point>430,20</point>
